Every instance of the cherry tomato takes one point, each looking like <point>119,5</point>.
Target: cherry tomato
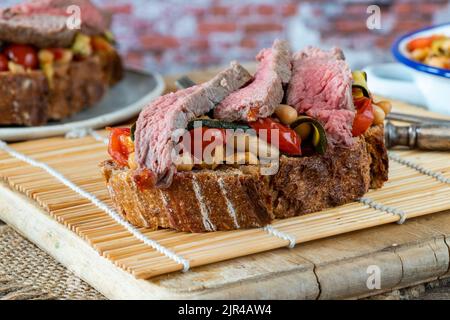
<point>207,136</point>
<point>364,116</point>
<point>120,145</point>
<point>3,63</point>
<point>23,55</point>
<point>289,141</point>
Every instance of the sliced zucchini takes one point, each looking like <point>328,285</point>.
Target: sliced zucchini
<point>217,124</point>
<point>360,82</point>
<point>133,130</point>
<point>319,136</point>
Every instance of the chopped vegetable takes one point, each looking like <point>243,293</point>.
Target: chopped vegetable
<point>23,55</point>
<point>289,140</point>
<point>304,130</point>
<point>433,50</point>
<point>378,115</point>
<point>286,114</point>
<point>101,44</point>
<point>218,124</point>
<point>360,82</point>
<point>319,138</point>
<point>385,105</point>
<point>82,45</point>
<point>133,131</point>
<point>3,63</point>
<point>120,145</point>
<point>364,116</point>
<point>214,135</point>
<point>422,42</point>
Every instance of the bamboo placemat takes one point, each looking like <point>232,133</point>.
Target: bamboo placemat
<point>418,185</point>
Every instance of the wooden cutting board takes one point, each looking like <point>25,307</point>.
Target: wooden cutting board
<point>336,267</point>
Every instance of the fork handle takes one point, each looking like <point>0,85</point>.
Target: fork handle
<point>424,137</point>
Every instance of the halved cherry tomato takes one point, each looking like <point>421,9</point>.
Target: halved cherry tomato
<point>23,55</point>
<point>216,136</point>
<point>364,116</point>
<point>422,42</point>
<point>290,142</point>
<point>3,63</point>
<point>120,145</point>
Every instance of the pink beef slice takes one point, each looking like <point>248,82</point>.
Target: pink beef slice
<point>260,98</point>
<point>157,122</point>
<point>321,87</point>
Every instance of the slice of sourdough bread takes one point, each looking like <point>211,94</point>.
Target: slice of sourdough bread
<point>232,198</point>
<point>29,99</point>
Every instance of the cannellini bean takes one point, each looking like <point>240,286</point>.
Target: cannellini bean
<point>132,164</point>
<point>385,105</point>
<point>303,130</point>
<point>286,114</point>
<point>185,162</point>
<point>240,158</point>
<point>67,56</point>
<point>46,56</point>
<point>378,115</point>
<point>15,68</point>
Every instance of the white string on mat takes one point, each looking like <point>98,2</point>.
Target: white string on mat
<point>438,176</point>
<point>280,234</point>
<point>113,214</point>
<point>84,132</point>
<point>381,207</point>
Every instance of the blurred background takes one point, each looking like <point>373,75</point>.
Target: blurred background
<point>173,36</point>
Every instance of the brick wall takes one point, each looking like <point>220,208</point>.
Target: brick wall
<point>177,35</point>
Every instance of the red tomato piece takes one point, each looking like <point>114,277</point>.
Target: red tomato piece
<point>23,55</point>
<point>120,145</point>
<point>3,63</point>
<point>364,116</point>
<point>289,141</point>
<point>58,53</point>
<point>207,136</point>
<point>422,42</point>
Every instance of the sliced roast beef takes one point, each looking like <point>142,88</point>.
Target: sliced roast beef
<point>321,87</point>
<point>43,23</point>
<point>260,98</point>
<point>157,122</point>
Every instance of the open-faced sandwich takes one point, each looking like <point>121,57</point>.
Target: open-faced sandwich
<point>239,151</point>
<point>50,66</point>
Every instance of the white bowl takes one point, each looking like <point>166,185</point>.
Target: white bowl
<point>412,81</point>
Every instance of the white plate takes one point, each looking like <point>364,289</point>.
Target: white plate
<point>122,102</point>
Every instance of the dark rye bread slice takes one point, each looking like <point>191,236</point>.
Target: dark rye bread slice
<point>23,98</point>
<point>231,198</point>
<point>28,99</point>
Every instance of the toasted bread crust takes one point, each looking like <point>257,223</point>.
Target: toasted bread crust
<point>28,98</point>
<point>231,198</point>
